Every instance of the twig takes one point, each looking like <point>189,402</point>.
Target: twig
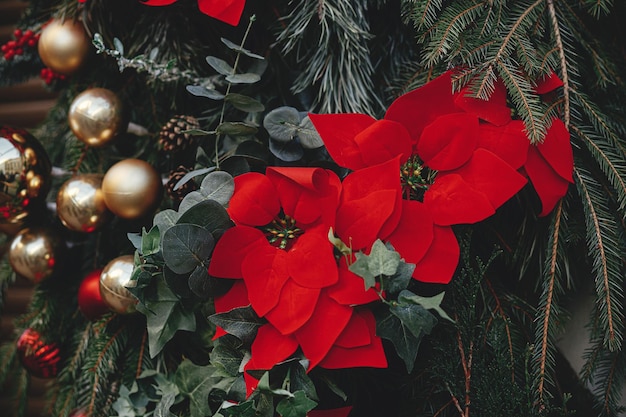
<point>561,49</point>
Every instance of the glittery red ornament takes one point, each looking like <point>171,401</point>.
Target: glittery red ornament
<point>90,301</point>
<point>41,359</point>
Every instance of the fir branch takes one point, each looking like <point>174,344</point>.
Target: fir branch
<point>564,67</point>
<point>604,249</point>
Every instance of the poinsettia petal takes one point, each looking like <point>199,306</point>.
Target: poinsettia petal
<point>307,194</point>
<point>382,141</point>
<point>255,201</point>
<point>549,185</point>
<point>420,107</point>
<point>449,141</point>
<point>548,83</point>
<point>338,132</point>
<point>509,142</point>
<point>494,110</point>
<point>311,260</point>
<point>251,383</point>
<point>270,347</point>
<point>231,249</point>
<point>491,176</point>
<point>228,11</point>
<point>265,273</point>
<point>350,288</point>
<point>334,412</point>
<point>371,355</point>
<point>451,200</point>
<point>158,2</point>
<point>237,296</point>
<point>318,335</point>
<point>369,199</point>
<point>414,233</point>
<point>355,334</point>
<point>556,149</point>
<point>440,262</point>
<point>295,307</point>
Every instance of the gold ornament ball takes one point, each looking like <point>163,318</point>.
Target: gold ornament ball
<point>63,46</point>
<point>80,203</point>
<point>113,279</point>
<point>97,116</point>
<point>24,174</point>
<point>132,188</point>
<point>35,253</point>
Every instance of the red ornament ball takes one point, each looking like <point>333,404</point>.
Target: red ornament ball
<point>41,359</point>
<point>90,301</point>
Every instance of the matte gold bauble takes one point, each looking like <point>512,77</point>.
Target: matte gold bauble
<point>97,116</point>
<point>80,203</point>
<point>35,253</point>
<point>132,188</point>
<point>63,46</point>
<point>113,279</point>
<point>24,174</point>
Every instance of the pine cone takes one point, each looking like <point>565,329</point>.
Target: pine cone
<point>172,138</point>
<point>175,176</point>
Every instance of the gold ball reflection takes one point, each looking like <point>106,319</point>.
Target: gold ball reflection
<point>35,253</point>
<point>80,203</point>
<point>96,116</point>
<point>113,279</point>
<point>63,46</point>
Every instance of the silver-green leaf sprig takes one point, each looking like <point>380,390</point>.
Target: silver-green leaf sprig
<point>290,132</point>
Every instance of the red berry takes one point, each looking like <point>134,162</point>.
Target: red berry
<point>11,44</point>
<point>17,33</point>
<point>19,51</point>
<point>32,42</point>
<point>28,33</point>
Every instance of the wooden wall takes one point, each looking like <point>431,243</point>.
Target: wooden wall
<point>24,106</point>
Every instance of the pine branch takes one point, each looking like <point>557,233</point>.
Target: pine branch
<point>564,67</point>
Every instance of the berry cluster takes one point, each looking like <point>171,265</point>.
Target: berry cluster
<point>49,75</point>
<point>23,39</point>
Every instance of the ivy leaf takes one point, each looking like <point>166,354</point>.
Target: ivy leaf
<point>282,123</point>
<point>140,279</point>
<point>246,78</point>
<point>202,91</point>
<point>163,407</point>
<point>244,103</point>
<point>414,317</point>
<point>195,383</point>
<point>164,317</point>
<point>239,49</point>
<point>135,239</point>
<point>309,138</point>
<point>219,65</point>
<point>245,409</point>
<point>185,246</point>
<point>382,261</point>
<point>297,406</point>
<point>429,303</point>
<point>236,129</point>
<point>361,268</point>
<point>241,322</point>
<point>300,381</point>
<point>226,355</point>
<point>400,280</point>
<point>150,241</point>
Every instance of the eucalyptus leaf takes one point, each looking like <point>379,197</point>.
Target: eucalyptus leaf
<point>178,283</point>
<point>191,174</point>
<point>200,283</point>
<point>236,165</point>
<point>236,129</point>
<point>164,220</point>
<point>219,65</point>
<point>286,151</point>
<point>238,48</point>
<point>282,123</point>
<point>244,103</point>
<point>218,186</point>
<point>245,78</point>
<point>241,322</point>
<point>201,91</point>
<point>185,246</point>
<point>119,47</point>
<point>154,53</point>
<point>308,136</point>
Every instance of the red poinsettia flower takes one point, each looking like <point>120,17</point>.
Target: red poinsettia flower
<point>435,133</point>
<point>279,246</point>
<point>228,11</point>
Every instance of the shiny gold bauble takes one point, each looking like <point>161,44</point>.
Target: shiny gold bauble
<point>97,116</point>
<point>24,174</point>
<point>35,253</point>
<point>113,279</point>
<point>132,188</point>
<point>80,203</point>
<point>63,46</point>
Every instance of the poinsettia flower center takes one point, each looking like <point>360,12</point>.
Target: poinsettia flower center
<point>415,178</point>
<point>282,232</point>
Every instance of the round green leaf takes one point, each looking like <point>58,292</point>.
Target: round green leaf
<point>186,246</point>
<point>219,65</point>
<point>286,151</point>
<point>282,123</point>
<point>201,91</point>
<point>208,214</point>
<point>236,129</point>
<point>309,138</point>
<point>244,103</point>
<point>246,78</point>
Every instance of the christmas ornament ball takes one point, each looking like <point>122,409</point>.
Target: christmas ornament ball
<point>24,174</point>
<point>35,253</point>
<point>132,188</point>
<point>41,359</point>
<point>90,301</point>
<point>80,203</point>
<point>63,46</point>
<point>113,279</point>
<point>97,116</point>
